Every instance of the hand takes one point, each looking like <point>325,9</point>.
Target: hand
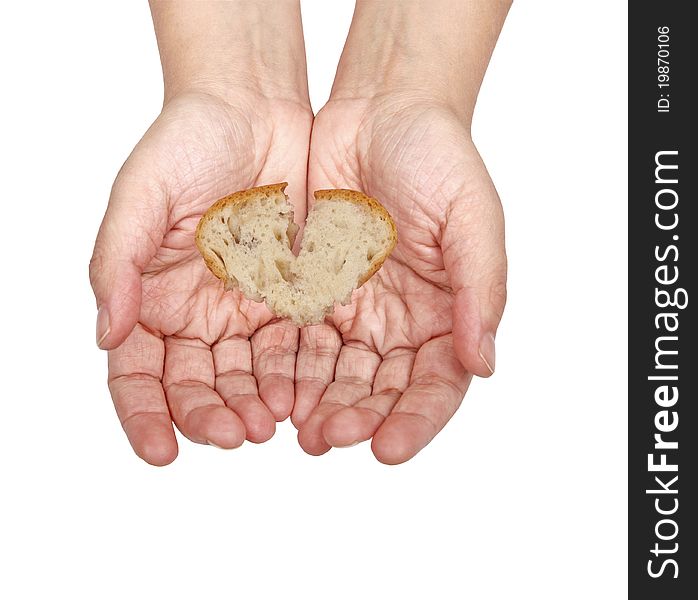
<point>180,348</point>
<point>395,364</point>
<point>236,114</point>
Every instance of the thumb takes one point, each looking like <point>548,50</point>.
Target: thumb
<point>129,236</point>
<point>475,259</point>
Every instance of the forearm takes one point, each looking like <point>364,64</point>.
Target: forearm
<point>434,48</point>
<point>223,46</point>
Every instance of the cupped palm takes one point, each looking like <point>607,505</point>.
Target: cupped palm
<point>189,357</point>
<point>391,365</point>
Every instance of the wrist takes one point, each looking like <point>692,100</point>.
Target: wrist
<point>432,50</point>
<point>228,48</point>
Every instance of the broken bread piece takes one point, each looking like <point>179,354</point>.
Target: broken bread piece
<point>247,238</point>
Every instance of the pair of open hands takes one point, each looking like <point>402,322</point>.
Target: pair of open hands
<point>393,365</point>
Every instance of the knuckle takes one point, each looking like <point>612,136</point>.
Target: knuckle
<point>498,296</point>
<point>95,266</point>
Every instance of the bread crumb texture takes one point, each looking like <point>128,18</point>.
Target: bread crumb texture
<point>246,240</point>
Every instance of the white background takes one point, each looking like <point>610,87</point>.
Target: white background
<point>523,495</point>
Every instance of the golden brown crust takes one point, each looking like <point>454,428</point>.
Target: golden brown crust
<point>213,264</point>
<point>214,211</point>
<point>375,207</point>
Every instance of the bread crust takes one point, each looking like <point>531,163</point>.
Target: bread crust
<point>375,207</point>
<point>214,211</point>
<point>221,207</point>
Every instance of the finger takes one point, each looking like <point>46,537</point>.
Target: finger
<point>354,375</point>
<point>135,372</point>
<point>238,387</point>
<point>196,408</point>
<point>437,385</point>
<point>274,348</point>
<point>358,423</point>
<point>475,260</point>
<point>317,356</point>
<point>131,232</point>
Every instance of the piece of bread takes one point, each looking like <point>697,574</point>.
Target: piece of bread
<point>247,238</point>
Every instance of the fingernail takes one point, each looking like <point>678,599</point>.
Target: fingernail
<point>103,326</point>
<point>351,445</point>
<point>210,443</point>
<point>486,351</point>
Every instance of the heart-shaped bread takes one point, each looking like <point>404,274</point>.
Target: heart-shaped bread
<point>247,238</point>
